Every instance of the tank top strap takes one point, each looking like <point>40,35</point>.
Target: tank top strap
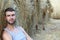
<point>8,31</point>
<point>19,28</point>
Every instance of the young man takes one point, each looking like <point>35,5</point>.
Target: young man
<point>13,32</point>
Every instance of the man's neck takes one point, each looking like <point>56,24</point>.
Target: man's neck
<point>10,27</point>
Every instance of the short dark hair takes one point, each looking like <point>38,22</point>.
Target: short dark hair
<point>8,9</point>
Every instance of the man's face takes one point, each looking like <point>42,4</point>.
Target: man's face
<point>10,17</point>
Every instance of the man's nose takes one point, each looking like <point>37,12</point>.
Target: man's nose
<point>11,16</point>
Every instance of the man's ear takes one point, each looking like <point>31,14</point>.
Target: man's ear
<point>5,18</point>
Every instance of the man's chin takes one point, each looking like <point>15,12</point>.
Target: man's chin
<point>11,23</point>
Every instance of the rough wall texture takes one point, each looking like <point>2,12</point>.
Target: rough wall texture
<point>30,13</point>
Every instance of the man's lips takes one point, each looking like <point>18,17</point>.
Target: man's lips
<point>11,19</point>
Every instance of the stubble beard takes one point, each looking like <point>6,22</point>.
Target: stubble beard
<point>11,23</point>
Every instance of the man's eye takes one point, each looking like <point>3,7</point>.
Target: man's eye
<point>13,15</point>
<point>8,15</point>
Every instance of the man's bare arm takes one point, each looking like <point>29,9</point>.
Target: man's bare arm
<point>6,36</point>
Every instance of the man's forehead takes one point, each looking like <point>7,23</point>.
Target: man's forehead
<point>10,12</point>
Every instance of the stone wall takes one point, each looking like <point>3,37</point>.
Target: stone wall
<point>30,13</point>
<point>56,9</point>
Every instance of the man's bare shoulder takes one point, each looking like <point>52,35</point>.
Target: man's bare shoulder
<point>5,33</point>
<point>6,36</point>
